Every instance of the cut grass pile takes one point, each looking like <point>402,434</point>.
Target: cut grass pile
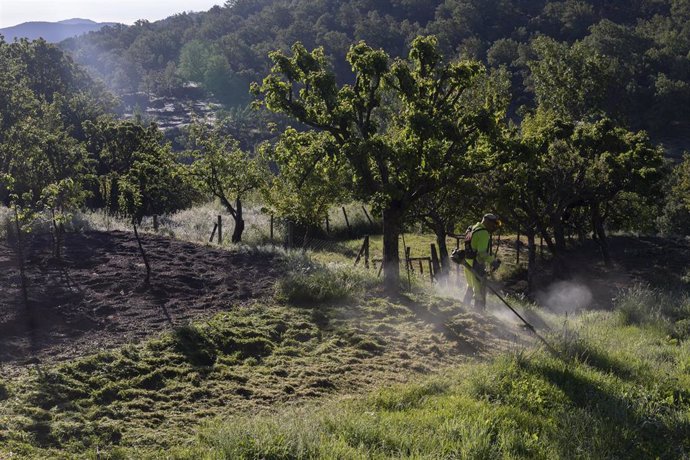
<point>151,397</point>
<point>623,392</point>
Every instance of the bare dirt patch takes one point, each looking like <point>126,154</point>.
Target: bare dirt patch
<point>94,297</point>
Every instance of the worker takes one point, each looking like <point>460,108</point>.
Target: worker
<point>478,257</point>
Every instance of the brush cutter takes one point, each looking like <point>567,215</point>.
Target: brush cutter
<point>484,279</point>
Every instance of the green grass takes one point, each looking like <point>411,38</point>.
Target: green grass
<point>330,368</point>
<point>309,282</point>
<point>330,339</point>
<point>624,393</point>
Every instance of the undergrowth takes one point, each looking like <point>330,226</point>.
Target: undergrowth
<point>308,282</point>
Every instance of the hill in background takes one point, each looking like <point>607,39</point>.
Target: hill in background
<point>52,31</point>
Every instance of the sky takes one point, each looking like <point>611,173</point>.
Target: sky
<point>13,12</point>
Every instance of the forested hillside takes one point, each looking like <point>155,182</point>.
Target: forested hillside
<point>627,59</point>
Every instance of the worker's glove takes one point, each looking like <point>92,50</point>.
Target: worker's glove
<point>495,264</point>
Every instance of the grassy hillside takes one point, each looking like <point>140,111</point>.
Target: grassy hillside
<point>622,390</point>
<point>326,332</point>
<point>288,378</point>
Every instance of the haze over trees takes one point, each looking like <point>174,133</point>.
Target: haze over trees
<point>628,60</point>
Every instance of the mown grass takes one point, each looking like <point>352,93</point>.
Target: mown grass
<point>329,338</point>
<point>284,380</point>
<point>623,391</point>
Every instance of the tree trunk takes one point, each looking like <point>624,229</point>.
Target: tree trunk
<point>558,233</point>
<point>392,226</point>
<point>531,259</point>
<point>22,267</point>
<point>560,270</point>
<point>57,238</point>
<point>600,232</point>
<point>239,222</point>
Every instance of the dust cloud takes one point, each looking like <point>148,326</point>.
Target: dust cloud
<point>565,297</point>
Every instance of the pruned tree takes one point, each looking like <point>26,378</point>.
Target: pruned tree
<point>61,199</point>
<point>138,174</point>
<point>403,127</point>
<point>225,171</point>
<point>297,192</point>
<point>130,204</point>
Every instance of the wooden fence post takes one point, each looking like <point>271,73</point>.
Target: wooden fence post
<point>328,225</point>
<point>371,222</point>
<point>347,221</point>
<point>434,261</point>
<point>271,228</point>
<point>220,230</point>
<point>366,251</point>
<point>155,223</point>
<point>213,233</point>
<point>363,251</point>
<point>517,248</point>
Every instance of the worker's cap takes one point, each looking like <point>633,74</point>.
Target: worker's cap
<point>492,218</point>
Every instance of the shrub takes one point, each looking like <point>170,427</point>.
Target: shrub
<point>308,282</point>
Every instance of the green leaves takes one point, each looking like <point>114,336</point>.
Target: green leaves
<point>221,168</point>
<point>310,178</point>
<point>431,116</point>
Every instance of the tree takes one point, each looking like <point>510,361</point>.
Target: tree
<point>567,166</point>
<point>617,160</point>
<point>130,204</point>
<point>193,58</point>
<point>139,175</point>
<point>404,128</point>
<point>301,195</point>
<point>225,171</point>
<point>571,81</point>
<point>61,198</point>
<point>126,148</point>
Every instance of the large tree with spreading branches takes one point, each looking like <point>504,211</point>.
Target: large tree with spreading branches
<point>404,127</point>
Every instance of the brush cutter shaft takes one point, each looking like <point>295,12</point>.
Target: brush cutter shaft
<point>484,279</point>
